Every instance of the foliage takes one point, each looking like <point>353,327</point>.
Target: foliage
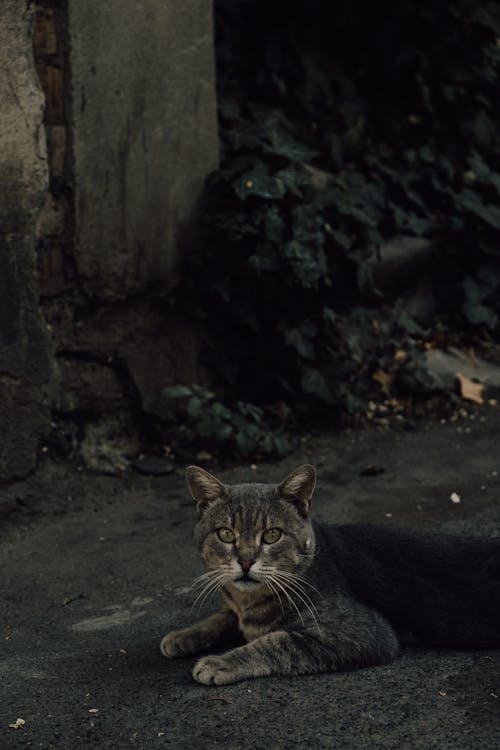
<point>240,430</point>
<point>343,125</point>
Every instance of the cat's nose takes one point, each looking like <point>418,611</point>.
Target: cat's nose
<point>246,565</point>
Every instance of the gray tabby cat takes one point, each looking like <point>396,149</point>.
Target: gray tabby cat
<point>308,597</point>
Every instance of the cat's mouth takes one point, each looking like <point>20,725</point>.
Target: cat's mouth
<point>246,581</point>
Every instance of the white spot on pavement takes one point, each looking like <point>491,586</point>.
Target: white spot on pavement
<point>119,617</point>
<point>141,601</point>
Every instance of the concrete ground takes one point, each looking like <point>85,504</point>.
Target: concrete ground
<point>94,571</point>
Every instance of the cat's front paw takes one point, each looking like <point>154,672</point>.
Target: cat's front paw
<point>214,670</point>
<point>179,643</point>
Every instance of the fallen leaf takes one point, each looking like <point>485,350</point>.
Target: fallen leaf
<point>18,724</point>
<point>470,390</point>
<point>204,456</point>
<point>319,179</point>
<point>281,409</point>
<point>70,599</point>
<point>384,379</point>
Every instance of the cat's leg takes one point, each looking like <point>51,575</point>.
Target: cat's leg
<point>212,631</point>
<point>344,645</point>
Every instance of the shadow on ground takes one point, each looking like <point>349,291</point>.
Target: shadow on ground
<point>96,569</point>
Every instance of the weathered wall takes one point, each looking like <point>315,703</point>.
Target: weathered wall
<point>131,128</point>
<point>27,374</point>
<point>89,246</point>
<point>144,135</point>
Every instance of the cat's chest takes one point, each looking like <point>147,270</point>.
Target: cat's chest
<point>257,615</point>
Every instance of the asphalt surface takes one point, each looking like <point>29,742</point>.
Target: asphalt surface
<point>95,570</point>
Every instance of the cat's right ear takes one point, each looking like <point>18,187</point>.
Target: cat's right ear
<point>298,488</point>
<point>204,487</point>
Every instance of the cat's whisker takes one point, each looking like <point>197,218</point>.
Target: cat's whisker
<point>206,594</point>
<point>300,581</point>
<point>201,580</point>
<point>299,578</point>
<point>205,590</point>
<point>294,587</point>
<point>289,597</point>
<point>274,593</point>
<point>214,576</point>
<point>216,579</point>
<point>214,590</point>
<point>300,585</point>
<point>207,576</point>
<point>308,604</point>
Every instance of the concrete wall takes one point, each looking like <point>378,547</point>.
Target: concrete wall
<point>144,135</point>
<point>89,251</point>
<point>27,374</point>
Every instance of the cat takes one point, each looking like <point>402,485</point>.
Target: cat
<point>306,597</point>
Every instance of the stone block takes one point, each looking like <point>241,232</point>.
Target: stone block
<point>50,219</point>
<point>52,273</point>
<point>169,357</point>
<point>154,349</point>
<point>144,137</point>
<point>56,146</point>
<point>28,375</point>
<point>89,386</point>
<point>52,80</point>
<point>44,32</point>
<point>24,416</point>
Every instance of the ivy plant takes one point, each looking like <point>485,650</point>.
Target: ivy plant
<point>341,127</point>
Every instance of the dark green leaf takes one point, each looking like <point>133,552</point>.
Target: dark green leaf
<point>176,391</point>
<point>488,213</point>
<point>408,324</point>
<point>302,345</point>
<point>283,144</point>
<point>194,406</point>
<point>281,444</point>
<point>246,440</point>
<point>315,384</point>
<point>259,182</point>
<point>479,314</point>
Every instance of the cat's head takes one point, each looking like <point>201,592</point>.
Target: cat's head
<point>248,533</point>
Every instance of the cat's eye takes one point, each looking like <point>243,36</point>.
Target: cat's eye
<point>271,535</point>
<point>226,535</point>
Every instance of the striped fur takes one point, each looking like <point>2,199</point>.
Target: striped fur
<point>325,598</point>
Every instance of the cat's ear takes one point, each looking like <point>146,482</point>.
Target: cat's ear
<point>298,487</point>
<point>204,487</point>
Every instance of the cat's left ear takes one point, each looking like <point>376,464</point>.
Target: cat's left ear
<point>204,487</point>
<point>298,487</point>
